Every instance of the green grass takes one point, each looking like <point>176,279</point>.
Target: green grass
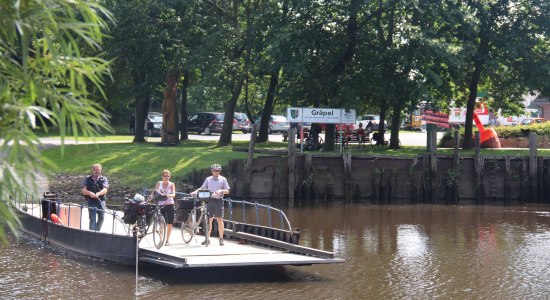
<point>140,164</point>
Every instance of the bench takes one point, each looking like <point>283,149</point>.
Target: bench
<point>352,139</point>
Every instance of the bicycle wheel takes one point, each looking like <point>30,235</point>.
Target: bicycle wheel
<point>159,231</point>
<point>188,228</point>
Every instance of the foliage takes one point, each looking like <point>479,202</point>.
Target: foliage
<point>507,131</point>
<point>45,79</point>
<point>375,56</point>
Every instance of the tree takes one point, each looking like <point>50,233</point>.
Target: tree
<point>505,48</point>
<point>44,76</point>
<point>135,48</point>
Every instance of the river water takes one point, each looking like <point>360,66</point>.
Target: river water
<point>390,252</point>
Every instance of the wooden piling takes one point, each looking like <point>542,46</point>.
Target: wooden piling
<point>456,169</point>
<point>540,179</point>
<point>507,180</point>
<point>433,169</point>
<point>524,181</point>
<point>308,176</point>
<point>348,179</point>
<point>533,184</point>
<point>478,170</point>
<point>291,166</point>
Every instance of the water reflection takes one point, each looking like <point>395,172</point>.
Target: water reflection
<point>429,251</point>
<point>390,252</point>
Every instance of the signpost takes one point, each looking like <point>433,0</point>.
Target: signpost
<point>322,116</point>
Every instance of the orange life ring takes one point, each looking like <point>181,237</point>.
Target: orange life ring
<point>56,219</point>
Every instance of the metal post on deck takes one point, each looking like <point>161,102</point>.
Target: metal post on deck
<point>269,215</point>
<point>230,209</point>
<point>137,261</point>
<point>257,215</point>
<point>81,216</point>
<point>244,214</point>
<point>58,208</point>
<point>113,215</point>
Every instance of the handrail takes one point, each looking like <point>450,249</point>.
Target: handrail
<point>38,202</point>
<point>257,206</point>
<point>179,195</point>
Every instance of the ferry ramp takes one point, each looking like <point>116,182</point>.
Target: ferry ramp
<point>245,250</point>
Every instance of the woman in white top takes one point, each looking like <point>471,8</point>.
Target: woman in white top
<point>167,189</point>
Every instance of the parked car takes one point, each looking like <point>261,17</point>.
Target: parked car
<point>531,121</point>
<point>241,122</point>
<point>206,122</point>
<point>278,124</point>
<point>152,125</point>
<point>370,122</point>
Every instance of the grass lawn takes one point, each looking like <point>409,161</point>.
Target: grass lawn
<point>140,164</point>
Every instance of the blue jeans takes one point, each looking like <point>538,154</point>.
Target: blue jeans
<point>96,207</point>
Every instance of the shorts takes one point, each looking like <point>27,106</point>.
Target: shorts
<point>215,208</point>
<point>167,212</point>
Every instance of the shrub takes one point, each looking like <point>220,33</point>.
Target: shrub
<point>505,131</point>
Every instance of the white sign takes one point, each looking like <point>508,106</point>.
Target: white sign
<point>321,115</point>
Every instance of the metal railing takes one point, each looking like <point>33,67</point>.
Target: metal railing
<point>37,207</point>
<point>269,210</point>
<point>251,212</point>
<point>245,206</point>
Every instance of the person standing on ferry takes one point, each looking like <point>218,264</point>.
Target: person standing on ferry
<point>94,188</point>
<point>166,190</point>
<point>218,186</point>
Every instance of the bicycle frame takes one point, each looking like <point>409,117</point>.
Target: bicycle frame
<point>141,229</point>
<point>190,227</point>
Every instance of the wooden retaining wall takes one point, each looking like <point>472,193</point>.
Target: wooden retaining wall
<point>427,178</point>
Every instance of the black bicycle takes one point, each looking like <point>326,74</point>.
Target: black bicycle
<point>144,216</point>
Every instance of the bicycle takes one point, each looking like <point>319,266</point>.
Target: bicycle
<point>157,221</point>
<point>190,227</point>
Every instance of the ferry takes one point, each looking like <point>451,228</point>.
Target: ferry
<point>255,235</point>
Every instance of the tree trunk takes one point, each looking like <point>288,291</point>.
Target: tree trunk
<point>340,67</point>
<point>268,107</point>
<point>169,111</point>
<point>330,135</point>
<point>183,107</point>
<point>395,124</point>
<point>383,111</point>
<point>480,59</point>
<point>141,110</point>
<point>227,130</point>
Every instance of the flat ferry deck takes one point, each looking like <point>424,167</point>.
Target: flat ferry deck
<point>245,244</point>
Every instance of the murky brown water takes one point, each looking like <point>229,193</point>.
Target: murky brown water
<point>391,252</point>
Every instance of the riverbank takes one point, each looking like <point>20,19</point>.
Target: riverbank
<point>131,167</point>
